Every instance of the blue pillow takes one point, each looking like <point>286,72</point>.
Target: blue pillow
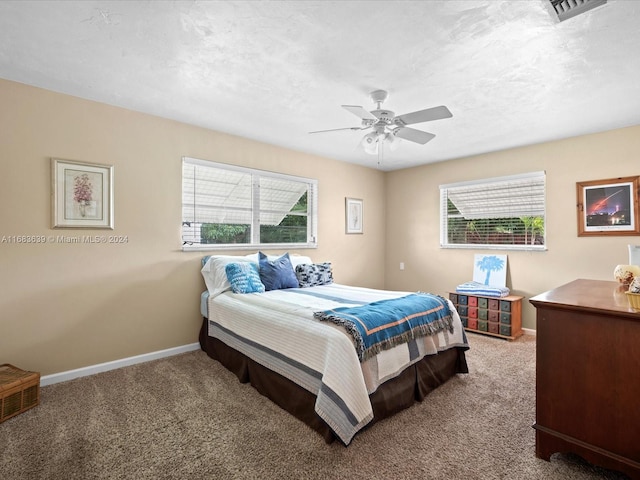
<point>244,277</point>
<point>277,274</point>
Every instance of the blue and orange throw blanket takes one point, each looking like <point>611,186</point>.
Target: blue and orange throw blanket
<point>384,324</point>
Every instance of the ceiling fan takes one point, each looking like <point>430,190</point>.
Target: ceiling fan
<point>386,126</point>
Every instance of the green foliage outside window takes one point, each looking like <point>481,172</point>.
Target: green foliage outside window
<point>221,233</point>
<point>292,229</point>
<point>494,231</point>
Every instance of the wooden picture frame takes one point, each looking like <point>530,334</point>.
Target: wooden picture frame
<point>608,207</point>
<point>354,215</point>
<point>81,194</point>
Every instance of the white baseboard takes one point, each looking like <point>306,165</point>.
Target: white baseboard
<point>124,362</point>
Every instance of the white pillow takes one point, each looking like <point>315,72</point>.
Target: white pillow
<point>299,260</point>
<point>215,275</point>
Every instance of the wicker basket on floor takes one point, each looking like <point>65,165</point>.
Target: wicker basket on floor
<point>19,391</point>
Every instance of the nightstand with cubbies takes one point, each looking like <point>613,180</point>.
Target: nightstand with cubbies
<point>499,317</point>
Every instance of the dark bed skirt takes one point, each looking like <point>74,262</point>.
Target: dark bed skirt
<point>396,394</point>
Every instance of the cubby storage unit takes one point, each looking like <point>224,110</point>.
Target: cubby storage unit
<point>500,317</point>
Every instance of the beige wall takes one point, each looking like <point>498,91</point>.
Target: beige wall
<point>66,306</point>
<point>412,223</point>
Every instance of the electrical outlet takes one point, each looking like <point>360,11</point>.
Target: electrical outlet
<point>401,265</point>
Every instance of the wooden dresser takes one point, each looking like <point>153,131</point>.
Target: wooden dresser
<point>588,375</point>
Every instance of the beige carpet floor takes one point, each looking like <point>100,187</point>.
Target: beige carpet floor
<point>186,417</point>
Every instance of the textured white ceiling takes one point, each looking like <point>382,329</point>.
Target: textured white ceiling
<point>273,71</point>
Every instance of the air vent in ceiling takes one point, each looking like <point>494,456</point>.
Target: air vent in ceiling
<point>566,9</point>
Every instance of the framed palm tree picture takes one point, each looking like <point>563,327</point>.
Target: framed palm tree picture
<point>490,270</point>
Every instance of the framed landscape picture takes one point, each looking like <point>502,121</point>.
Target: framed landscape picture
<point>608,207</point>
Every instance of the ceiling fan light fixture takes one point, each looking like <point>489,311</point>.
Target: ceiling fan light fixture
<point>392,140</point>
<point>370,143</point>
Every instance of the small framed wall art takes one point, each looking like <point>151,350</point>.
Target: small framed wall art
<point>608,207</point>
<point>354,215</point>
<point>81,194</point>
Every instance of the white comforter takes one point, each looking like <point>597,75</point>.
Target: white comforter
<point>277,330</point>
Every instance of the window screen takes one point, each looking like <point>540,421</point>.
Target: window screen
<point>226,205</point>
<point>504,212</point>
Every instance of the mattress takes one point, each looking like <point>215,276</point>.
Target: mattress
<point>204,308</point>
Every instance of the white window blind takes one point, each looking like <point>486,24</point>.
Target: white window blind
<point>503,212</point>
<point>225,205</point>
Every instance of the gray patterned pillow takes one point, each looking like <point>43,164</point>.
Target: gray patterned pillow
<point>312,274</point>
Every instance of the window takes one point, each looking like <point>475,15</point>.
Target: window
<point>504,212</point>
<point>229,206</point>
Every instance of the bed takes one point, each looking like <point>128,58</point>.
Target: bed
<point>286,345</point>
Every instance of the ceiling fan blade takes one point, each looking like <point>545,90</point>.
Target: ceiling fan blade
<point>338,129</point>
<point>413,135</point>
<point>435,113</point>
<point>360,112</point>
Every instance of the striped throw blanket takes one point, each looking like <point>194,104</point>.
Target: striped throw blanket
<point>384,324</point>
<point>477,288</point>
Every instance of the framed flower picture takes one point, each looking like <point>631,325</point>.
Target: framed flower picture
<point>82,194</point>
